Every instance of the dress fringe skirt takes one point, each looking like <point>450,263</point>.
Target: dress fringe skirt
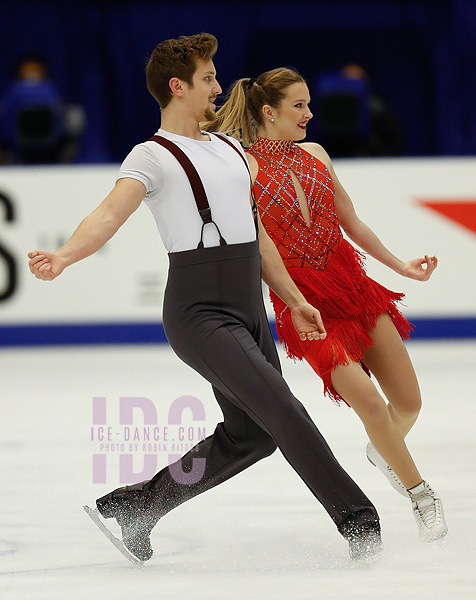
<point>350,304</point>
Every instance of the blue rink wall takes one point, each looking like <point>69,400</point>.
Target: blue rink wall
<point>116,296</point>
<point>153,333</point>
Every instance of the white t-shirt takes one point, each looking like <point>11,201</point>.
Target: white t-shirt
<point>170,197</point>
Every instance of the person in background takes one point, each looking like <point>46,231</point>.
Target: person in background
<point>305,210</point>
<point>36,125</point>
<point>352,119</point>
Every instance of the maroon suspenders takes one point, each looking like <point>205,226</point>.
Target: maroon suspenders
<point>201,199</point>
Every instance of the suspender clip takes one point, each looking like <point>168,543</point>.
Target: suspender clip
<point>206,215</point>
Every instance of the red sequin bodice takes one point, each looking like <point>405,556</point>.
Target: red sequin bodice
<point>299,245</point>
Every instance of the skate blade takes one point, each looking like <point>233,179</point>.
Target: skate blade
<point>119,544</point>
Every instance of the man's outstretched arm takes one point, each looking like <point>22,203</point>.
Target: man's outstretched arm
<point>93,232</point>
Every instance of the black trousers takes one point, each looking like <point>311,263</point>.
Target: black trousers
<point>215,320</point>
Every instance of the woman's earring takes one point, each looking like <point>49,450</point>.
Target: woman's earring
<point>272,120</point>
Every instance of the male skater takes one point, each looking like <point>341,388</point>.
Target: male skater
<point>197,187</point>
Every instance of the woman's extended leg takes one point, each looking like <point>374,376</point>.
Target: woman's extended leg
<point>387,425</point>
<point>358,390</point>
<point>389,361</point>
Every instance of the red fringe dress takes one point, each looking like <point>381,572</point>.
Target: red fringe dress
<point>326,268</point>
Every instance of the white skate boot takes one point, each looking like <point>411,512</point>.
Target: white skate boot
<point>377,461</point>
<point>428,512</point>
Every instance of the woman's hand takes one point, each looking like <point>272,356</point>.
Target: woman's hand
<point>414,269</point>
<point>308,322</point>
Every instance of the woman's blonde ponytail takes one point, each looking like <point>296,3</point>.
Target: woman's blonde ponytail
<point>233,117</point>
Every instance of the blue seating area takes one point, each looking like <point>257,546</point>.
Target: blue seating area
<point>420,55</point>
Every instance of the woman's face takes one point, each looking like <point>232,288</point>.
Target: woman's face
<point>291,118</point>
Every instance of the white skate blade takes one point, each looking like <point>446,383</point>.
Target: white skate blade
<point>119,544</point>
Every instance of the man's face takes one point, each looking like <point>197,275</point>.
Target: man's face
<point>204,90</point>
<point>32,70</point>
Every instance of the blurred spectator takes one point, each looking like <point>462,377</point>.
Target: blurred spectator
<point>36,126</point>
<point>351,119</point>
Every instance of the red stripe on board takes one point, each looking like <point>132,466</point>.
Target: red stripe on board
<point>461,212</point>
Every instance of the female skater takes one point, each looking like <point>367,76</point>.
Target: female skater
<point>303,207</point>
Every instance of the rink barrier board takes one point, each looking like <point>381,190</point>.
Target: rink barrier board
<point>153,333</point>
<point>415,206</point>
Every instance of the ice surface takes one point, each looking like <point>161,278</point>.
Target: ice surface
<point>259,536</point>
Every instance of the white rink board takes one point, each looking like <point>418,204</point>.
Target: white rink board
<point>125,281</point>
<point>386,196</point>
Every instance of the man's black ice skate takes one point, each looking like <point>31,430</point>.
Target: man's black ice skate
<point>128,506</point>
<point>365,540</point>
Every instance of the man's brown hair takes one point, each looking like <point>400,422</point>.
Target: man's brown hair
<point>177,58</point>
